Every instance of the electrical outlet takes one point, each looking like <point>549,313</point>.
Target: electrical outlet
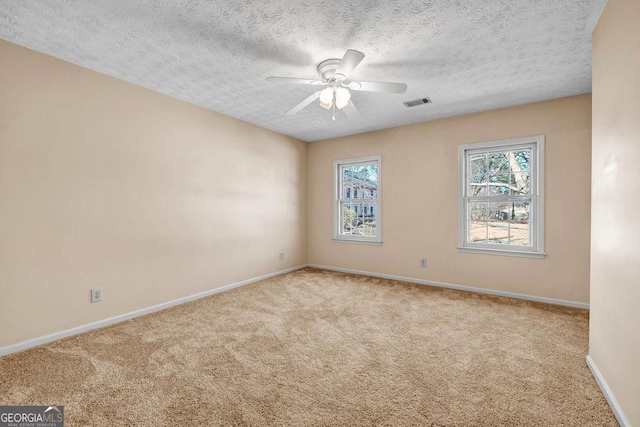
<point>423,263</point>
<point>96,294</point>
<point>281,255</point>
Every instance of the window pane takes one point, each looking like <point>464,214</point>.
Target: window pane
<point>478,175</point>
<point>370,210</point>
<point>371,173</point>
<point>477,231</point>
<point>347,187</point>
<point>358,219</point>
<point>357,182</point>
<point>349,218</point>
<point>498,162</point>
<point>499,211</point>
<point>477,211</point>
<point>520,234</point>
<point>520,184</point>
<point>477,185</point>
<point>370,181</point>
<point>499,185</point>
<point>520,224</point>
<point>520,212</point>
<point>368,227</point>
<point>520,160</point>
<point>347,191</point>
<point>347,174</point>
<point>371,193</point>
<point>359,179</point>
<point>498,232</point>
<point>367,221</point>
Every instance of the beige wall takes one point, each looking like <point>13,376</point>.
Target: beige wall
<point>107,184</point>
<point>419,202</point>
<point>103,183</point>
<point>614,343</point>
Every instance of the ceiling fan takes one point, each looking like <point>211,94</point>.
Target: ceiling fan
<point>334,74</point>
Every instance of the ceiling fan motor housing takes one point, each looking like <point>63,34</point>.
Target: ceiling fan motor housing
<point>327,69</point>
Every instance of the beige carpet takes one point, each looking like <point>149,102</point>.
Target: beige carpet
<point>318,348</point>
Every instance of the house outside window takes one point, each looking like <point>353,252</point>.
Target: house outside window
<point>501,197</point>
<point>357,189</point>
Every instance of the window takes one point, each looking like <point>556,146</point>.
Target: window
<point>501,209</point>
<point>356,214</point>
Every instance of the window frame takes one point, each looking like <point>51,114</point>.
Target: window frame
<point>536,250</point>
<point>337,237</point>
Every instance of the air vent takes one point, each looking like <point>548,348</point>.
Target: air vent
<point>417,102</point>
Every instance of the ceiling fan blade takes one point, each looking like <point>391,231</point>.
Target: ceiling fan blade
<point>351,111</point>
<point>295,80</point>
<point>379,87</point>
<point>350,60</point>
<point>308,100</point>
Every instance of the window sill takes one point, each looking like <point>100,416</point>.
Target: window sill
<point>358,242</point>
<point>502,252</point>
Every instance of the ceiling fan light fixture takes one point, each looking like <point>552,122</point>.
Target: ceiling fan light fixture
<point>326,96</point>
<point>327,106</point>
<point>342,97</point>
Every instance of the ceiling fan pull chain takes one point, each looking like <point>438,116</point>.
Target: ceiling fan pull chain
<point>334,112</point>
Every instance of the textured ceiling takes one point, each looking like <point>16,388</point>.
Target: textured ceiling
<point>466,55</point>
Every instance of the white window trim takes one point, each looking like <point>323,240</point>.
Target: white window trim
<point>337,237</point>
<point>537,251</point>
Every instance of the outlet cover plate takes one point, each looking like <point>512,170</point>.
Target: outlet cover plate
<point>96,294</point>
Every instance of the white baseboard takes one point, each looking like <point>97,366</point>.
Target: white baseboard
<point>14,348</point>
<point>458,287</point>
<point>613,403</point>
